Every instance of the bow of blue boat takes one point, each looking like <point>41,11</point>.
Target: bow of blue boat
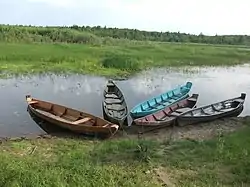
<point>161,101</point>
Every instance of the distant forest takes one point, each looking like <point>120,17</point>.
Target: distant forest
<point>104,35</point>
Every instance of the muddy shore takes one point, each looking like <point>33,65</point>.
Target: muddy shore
<point>197,132</point>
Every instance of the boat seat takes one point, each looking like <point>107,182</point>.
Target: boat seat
<point>182,110</point>
<point>113,100</point>
<point>191,99</point>
<point>33,102</point>
<point>111,96</point>
<point>48,114</point>
<point>114,108</point>
<point>175,114</point>
<point>110,84</point>
<point>83,120</point>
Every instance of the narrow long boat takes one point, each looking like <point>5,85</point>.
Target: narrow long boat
<point>161,101</point>
<point>167,116</point>
<point>71,119</point>
<point>114,105</point>
<point>227,108</point>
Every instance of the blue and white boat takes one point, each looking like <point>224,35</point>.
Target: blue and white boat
<point>159,102</point>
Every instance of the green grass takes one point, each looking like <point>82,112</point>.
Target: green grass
<point>223,161</point>
<point>112,60</point>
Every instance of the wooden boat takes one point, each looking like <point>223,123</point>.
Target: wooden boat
<point>227,108</point>
<point>159,102</point>
<point>71,119</point>
<point>114,105</point>
<point>167,116</point>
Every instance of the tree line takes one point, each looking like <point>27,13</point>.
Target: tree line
<point>103,35</point>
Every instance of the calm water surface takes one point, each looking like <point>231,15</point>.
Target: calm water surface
<point>85,92</point>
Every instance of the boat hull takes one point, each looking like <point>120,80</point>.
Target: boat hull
<point>94,125</point>
<point>160,102</point>
<point>114,105</point>
<point>234,111</point>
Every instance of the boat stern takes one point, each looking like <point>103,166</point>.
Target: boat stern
<point>110,83</point>
<point>186,88</point>
<point>115,126</point>
<point>136,115</point>
<point>189,85</point>
<point>28,98</point>
<point>243,96</point>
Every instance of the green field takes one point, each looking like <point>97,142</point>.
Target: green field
<point>112,60</point>
<point>223,161</point>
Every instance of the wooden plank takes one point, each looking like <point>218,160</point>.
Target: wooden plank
<point>191,99</point>
<point>81,121</point>
<point>52,116</point>
<point>33,102</point>
<point>112,96</point>
<point>116,107</point>
<point>113,101</point>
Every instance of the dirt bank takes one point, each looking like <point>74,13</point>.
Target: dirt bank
<point>195,132</point>
<point>192,132</point>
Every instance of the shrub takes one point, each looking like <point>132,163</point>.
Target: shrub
<point>120,61</point>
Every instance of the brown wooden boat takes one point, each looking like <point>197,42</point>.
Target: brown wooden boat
<point>167,116</point>
<point>227,108</point>
<point>71,119</point>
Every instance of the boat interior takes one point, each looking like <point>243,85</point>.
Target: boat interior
<point>216,108</point>
<point>162,101</point>
<point>114,101</point>
<point>62,113</point>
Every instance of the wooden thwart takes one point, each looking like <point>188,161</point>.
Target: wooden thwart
<point>81,121</point>
<point>33,102</point>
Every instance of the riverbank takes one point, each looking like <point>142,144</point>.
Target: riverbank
<point>112,60</point>
<point>221,159</point>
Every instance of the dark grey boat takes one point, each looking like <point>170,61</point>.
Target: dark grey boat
<point>114,105</point>
<point>227,108</point>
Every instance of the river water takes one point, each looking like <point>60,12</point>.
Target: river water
<point>85,92</point>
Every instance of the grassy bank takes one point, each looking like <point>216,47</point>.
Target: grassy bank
<point>223,161</point>
<point>112,60</point>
